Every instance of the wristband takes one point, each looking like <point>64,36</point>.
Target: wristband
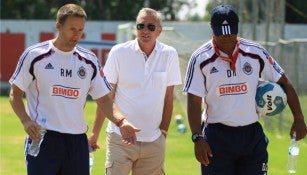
<point>164,132</point>
<point>196,137</point>
<point>119,122</point>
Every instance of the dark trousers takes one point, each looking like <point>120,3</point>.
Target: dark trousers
<point>236,150</point>
<point>60,154</point>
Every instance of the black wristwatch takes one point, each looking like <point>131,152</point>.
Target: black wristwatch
<point>196,137</point>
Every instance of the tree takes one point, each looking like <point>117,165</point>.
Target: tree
<point>296,11</point>
<point>95,9</point>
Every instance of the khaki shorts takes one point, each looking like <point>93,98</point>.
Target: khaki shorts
<point>142,158</point>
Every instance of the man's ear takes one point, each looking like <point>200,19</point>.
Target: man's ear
<point>160,30</point>
<point>57,25</point>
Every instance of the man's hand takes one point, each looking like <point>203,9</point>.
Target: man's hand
<point>299,128</point>
<point>202,151</point>
<point>128,132</point>
<point>92,142</point>
<point>32,129</point>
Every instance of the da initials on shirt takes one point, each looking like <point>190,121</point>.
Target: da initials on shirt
<point>66,72</point>
<point>231,73</point>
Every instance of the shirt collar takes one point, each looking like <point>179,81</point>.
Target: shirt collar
<point>158,46</point>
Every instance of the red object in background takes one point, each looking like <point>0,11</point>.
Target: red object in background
<point>108,36</point>
<point>44,36</point>
<point>95,51</point>
<point>104,55</point>
<point>12,45</point>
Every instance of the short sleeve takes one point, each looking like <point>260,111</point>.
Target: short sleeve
<point>22,76</point>
<point>194,80</point>
<point>174,76</point>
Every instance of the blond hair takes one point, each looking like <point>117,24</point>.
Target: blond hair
<point>70,10</point>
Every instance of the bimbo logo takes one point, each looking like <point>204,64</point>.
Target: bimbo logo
<point>66,92</point>
<point>233,89</point>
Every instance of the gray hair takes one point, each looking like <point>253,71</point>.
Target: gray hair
<point>150,11</point>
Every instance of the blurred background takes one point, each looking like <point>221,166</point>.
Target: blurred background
<point>279,25</point>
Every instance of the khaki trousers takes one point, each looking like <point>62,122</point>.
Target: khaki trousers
<point>142,158</point>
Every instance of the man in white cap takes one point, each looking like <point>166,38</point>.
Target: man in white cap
<point>224,73</point>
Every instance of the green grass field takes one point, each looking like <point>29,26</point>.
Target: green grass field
<point>180,158</point>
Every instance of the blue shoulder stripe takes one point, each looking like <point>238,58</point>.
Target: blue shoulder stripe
<point>24,56</point>
<point>189,74</point>
<point>81,49</point>
<point>192,63</point>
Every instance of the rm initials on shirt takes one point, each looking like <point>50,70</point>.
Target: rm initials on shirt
<point>233,89</point>
<point>66,73</point>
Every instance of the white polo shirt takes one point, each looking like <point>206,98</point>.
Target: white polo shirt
<point>141,84</point>
<point>57,84</point>
<point>229,95</point>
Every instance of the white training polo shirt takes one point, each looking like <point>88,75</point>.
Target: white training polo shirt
<point>229,95</point>
<point>57,84</point>
<point>141,84</point>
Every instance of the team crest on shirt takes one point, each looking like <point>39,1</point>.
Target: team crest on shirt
<point>247,68</point>
<point>82,72</point>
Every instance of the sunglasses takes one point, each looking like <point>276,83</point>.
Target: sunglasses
<point>150,27</point>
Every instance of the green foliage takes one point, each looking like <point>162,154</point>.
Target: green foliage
<point>96,10</point>
<point>295,10</point>
<point>31,9</point>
